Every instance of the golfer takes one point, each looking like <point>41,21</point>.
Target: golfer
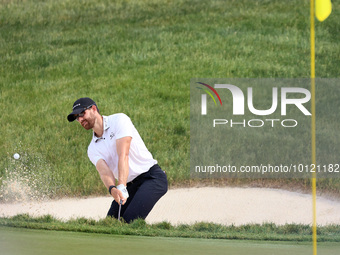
<point>126,167</point>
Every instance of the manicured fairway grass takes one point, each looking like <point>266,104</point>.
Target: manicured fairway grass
<point>23,241</point>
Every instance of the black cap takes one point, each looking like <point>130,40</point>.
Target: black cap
<point>79,106</point>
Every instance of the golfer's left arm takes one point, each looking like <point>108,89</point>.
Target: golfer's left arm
<point>123,148</point>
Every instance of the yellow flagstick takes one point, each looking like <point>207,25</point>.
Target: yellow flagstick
<point>323,9</point>
<point>312,56</point>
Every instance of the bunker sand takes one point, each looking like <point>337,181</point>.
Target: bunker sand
<point>219,205</point>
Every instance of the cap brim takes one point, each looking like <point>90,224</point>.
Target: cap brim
<point>71,117</point>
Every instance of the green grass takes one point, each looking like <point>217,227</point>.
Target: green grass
<point>30,242</point>
<point>264,232</point>
<point>137,57</point>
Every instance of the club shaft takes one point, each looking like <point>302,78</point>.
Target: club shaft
<point>120,207</point>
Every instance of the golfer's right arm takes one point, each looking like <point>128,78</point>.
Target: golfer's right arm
<point>108,179</point>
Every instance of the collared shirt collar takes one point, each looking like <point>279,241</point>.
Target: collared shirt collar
<point>106,126</point>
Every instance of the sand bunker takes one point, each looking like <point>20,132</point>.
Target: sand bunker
<point>221,205</point>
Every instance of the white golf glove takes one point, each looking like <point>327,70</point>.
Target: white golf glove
<point>123,189</point>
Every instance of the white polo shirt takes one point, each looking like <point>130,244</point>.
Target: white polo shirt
<point>117,126</point>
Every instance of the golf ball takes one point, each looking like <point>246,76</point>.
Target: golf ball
<point>16,156</point>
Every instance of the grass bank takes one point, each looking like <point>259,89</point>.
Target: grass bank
<point>264,232</point>
<point>136,57</point>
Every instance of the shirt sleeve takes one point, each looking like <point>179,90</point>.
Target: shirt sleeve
<point>124,126</point>
<point>94,157</point>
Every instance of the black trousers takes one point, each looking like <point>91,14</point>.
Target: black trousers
<point>144,192</point>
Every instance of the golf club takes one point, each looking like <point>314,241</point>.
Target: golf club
<point>120,207</point>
